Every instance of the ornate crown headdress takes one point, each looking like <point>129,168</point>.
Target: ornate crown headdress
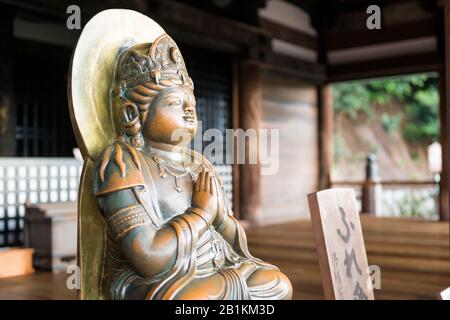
<point>162,62</point>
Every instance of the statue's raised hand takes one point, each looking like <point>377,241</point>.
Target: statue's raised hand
<point>204,195</point>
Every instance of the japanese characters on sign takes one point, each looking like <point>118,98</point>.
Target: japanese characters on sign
<point>340,245</point>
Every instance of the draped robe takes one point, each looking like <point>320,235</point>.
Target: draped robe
<point>120,281</point>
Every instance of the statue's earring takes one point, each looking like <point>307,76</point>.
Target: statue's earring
<point>132,124</point>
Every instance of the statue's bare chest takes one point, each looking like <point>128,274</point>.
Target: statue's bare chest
<point>173,188</point>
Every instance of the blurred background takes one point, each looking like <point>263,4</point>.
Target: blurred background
<point>355,107</point>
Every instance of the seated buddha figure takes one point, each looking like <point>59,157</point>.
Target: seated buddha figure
<point>171,232</point>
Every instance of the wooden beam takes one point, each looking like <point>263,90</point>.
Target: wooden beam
<point>366,37</point>
<point>307,5</point>
<point>351,6</point>
<point>285,33</point>
<point>310,71</point>
<point>56,10</point>
<point>423,62</point>
<point>183,17</point>
<point>44,11</point>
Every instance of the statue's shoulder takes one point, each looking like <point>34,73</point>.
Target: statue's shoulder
<point>118,167</point>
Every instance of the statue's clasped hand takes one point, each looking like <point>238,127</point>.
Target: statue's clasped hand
<point>204,195</point>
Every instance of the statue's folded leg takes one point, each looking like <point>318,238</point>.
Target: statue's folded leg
<point>262,284</point>
<point>203,288</point>
<point>269,284</point>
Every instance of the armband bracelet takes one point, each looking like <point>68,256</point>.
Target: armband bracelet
<point>200,213</point>
<point>127,219</point>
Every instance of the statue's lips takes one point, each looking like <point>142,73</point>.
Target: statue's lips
<point>189,118</point>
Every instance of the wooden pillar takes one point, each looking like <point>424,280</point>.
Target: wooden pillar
<point>372,193</point>
<point>326,134</point>
<point>445,130</point>
<point>250,104</point>
<point>7,138</point>
<point>235,125</point>
<point>444,182</point>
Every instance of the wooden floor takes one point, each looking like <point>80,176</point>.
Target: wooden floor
<point>413,257</point>
<point>37,286</point>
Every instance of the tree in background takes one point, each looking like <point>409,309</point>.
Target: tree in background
<point>418,94</point>
<point>406,108</point>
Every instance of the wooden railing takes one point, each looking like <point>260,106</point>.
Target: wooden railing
<point>397,197</point>
<point>394,197</point>
<point>385,183</point>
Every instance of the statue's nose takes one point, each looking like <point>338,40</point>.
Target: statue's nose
<point>189,107</point>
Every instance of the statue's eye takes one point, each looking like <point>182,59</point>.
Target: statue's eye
<point>175,102</point>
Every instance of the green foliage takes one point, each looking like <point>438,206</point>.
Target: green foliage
<point>351,98</point>
<point>415,155</point>
<point>422,113</point>
<point>389,122</point>
<point>417,94</point>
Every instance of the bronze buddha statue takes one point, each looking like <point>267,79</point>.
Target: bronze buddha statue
<point>170,231</point>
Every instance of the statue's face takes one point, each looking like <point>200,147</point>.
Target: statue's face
<point>172,118</point>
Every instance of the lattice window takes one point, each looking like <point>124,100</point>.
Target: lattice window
<point>25,180</point>
<point>42,121</point>
<point>212,76</point>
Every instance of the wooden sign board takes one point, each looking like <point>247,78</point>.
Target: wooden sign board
<point>340,245</point>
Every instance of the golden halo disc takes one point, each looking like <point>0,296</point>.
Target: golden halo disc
<point>92,73</point>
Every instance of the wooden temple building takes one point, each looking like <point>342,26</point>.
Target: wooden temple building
<point>260,64</point>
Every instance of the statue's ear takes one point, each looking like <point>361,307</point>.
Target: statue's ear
<point>130,111</point>
<point>131,119</point>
